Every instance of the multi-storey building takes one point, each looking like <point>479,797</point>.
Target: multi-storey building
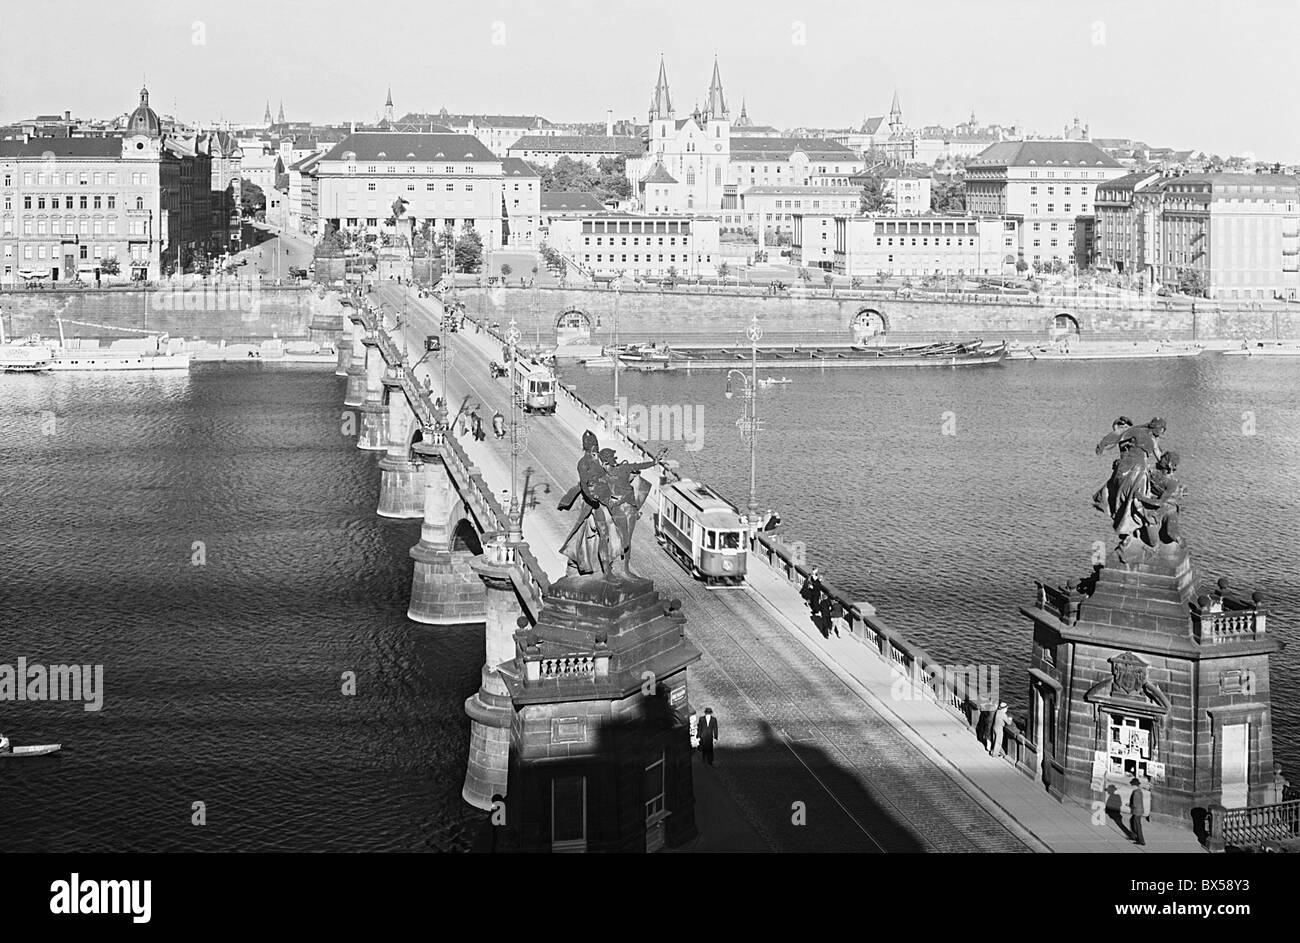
<point>303,203</point>
<point>1046,185</point>
<point>545,150</point>
<point>498,133</point>
<point>639,245</point>
<point>447,179</point>
<point>1121,224</point>
<point>906,246</point>
<point>140,198</point>
<point>1239,232</point>
<point>522,193</point>
<point>227,156</point>
<point>769,210</point>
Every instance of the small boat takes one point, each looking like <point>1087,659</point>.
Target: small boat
<point>773,381</point>
<point>645,356</point>
<point>33,751</point>
<point>1266,349</point>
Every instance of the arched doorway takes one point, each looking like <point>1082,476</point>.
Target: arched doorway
<point>869,323</point>
<point>573,326</point>
<point>416,438</point>
<point>1064,326</point>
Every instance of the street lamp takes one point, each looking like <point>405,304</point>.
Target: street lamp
<point>749,422</point>
<point>618,412</point>
<point>512,338</point>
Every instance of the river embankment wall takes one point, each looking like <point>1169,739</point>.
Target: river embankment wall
<point>212,311</point>
<point>684,316</point>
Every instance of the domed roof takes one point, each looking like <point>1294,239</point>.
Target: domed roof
<point>144,120</point>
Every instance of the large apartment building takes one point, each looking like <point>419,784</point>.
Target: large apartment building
<point>907,245</point>
<point>1046,185</point>
<point>447,179</point>
<point>638,245</point>
<point>67,204</point>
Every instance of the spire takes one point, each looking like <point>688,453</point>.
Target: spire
<point>266,119</point>
<point>896,109</point>
<point>144,97</point>
<point>717,105</point>
<point>661,104</point>
<point>280,119</point>
<point>389,102</point>
<point>388,105</point>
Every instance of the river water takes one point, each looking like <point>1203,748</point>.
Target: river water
<point>946,533</point>
<point>223,682</point>
<point>212,542</point>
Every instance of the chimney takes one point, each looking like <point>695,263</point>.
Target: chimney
<point>609,122</point>
<point>354,127</point>
<point>67,116</point>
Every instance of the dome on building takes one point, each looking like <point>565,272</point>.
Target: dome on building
<point>144,120</point>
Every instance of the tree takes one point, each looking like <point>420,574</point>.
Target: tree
<point>1190,282</point>
<point>948,196</point>
<point>829,279</point>
<point>331,246</point>
<point>805,275</point>
<point>1022,266</point>
<point>446,242</point>
<point>551,258</point>
<point>469,249</point>
<point>724,269</point>
<point>251,198</point>
<point>876,197</point>
<point>506,269</point>
<point>109,266</point>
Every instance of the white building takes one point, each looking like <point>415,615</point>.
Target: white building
<point>639,245</point>
<point>906,245</point>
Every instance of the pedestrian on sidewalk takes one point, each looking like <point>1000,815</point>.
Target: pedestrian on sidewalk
<point>1146,795</point>
<point>708,734</point>
<point>996,725</point>
<point>811,589</point>
<point>479,434</point>
<point>1137,810</point>
<point>499,425</point>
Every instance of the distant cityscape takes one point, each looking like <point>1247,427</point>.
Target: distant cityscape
<point>694,188</point>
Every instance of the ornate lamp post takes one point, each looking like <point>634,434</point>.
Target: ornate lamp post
<point>749,422</point>
<point>517,443</point>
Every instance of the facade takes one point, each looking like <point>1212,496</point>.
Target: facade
<point>303,202</point>
<point>1239,232</point>
<point>869,136</point>
<point>773,209</point>
<point>545,150</point>
<point>911,191</point>
<point>639,245</point>
<point>1046,185</point>
<point>447,179</point>
<point>226,157</point>
<point>906,245</point>
<point>262,166</point>
<point>1121,223</point>
<point>140,198</point>
<point>522,188</point>
<point>557,204</point>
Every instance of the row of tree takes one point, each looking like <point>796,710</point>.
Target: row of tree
<point>608,179</point>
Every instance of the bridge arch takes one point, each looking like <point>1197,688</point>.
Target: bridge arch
<point>465,537</point>
<point>867,323</point>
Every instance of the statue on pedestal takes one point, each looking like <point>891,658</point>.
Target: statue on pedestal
<point>1143,495</point>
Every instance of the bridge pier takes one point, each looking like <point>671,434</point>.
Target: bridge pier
<point>444,588</point>
<point>356,369</point>
<point>345,345</point>
<point>401,475</point>
<point>490,710</point>
<point>374,414</point>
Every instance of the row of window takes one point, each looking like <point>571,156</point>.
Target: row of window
<point>96,202</point>
<point>96,178</point>
<point>637,226</point>
<point>52,252</point>
<point>636,257</point>
<point>410,169</point>
<point>925,242</point>
<point>1051,191</point>
<point>1051,208</point>
<point>672,241</point>
<point>75,227</point>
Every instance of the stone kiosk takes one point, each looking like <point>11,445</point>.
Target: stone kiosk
<point>600,754</point>
<point>1138,672</point>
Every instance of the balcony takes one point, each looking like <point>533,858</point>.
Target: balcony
<point>583,666</point>
<point>1217,628</point>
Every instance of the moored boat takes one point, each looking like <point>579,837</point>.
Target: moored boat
<point>32,751</point>
<point>943,354</point>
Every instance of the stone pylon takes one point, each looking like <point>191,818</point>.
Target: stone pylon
<point>356,370</point>
<point>444,589</point>
<point>345,345</point>
<point>401,473</point>
<point>373,436</point>
<point>489,709</point>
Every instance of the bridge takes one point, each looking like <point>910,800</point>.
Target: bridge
<point>810,719</point>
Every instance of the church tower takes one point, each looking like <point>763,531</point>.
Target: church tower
<point>388,106</point>
<point>662,115</point>
<point>280,118</point>
<point>896,116</point>
<point>266,118</point>
<point>716,149</point>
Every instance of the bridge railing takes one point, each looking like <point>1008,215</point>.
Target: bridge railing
<point>1254,826</point>
<point>1228,626</point>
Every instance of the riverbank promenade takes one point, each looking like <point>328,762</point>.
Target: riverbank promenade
<point>815,753</point>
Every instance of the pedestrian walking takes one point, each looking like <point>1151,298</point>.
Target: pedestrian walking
<point>499,425</point>
<point>708,733</point>
<point>811,589</point>
<point>479,434</point>
<point>1137,810</point>
<point>998,722</point>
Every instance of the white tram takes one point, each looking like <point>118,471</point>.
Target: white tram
<point>534,386</point>
<point>703,532</point>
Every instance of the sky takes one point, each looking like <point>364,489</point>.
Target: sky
<point>1204,74</point>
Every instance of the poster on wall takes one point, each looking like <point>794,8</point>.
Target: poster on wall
<point>1156,771</point>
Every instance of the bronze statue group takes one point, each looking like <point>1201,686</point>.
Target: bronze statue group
<point>612,494</point>
<point>1143,495</point>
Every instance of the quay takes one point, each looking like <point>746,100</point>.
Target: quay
<point>810,721</point>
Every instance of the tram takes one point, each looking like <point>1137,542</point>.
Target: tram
<point>703,532</point>
<point>534,386</point>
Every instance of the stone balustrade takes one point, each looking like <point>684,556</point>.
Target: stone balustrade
<point>1215,628</point>
<point>1254,826</point>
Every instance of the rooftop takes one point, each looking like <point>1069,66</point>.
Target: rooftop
<point>517,167</point>
<point>778,148</point>
<point>580,144</point>
<point>1043,153</point>
<point>571,201</point>
<point>62,147</point>
<point>395,145</point>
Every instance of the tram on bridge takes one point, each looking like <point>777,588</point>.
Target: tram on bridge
<point>534,386</point>
<point>703,532</point>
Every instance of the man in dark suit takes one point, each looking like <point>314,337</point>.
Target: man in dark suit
<point>1138,810</point>
<point>708,733</point>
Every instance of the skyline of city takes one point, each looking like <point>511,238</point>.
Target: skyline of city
<point>1031,78</point>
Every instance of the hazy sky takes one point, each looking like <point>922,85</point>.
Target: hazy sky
<point>1181,73</point>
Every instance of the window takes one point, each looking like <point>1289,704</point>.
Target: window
<point>371,186</point>
<point>139,202</point>
<point>451,187</point>
<point>112,202</point>
<point>112,179</point>
<point>1129,745</point>
<point>654,788</point>
<point>98,201</point>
